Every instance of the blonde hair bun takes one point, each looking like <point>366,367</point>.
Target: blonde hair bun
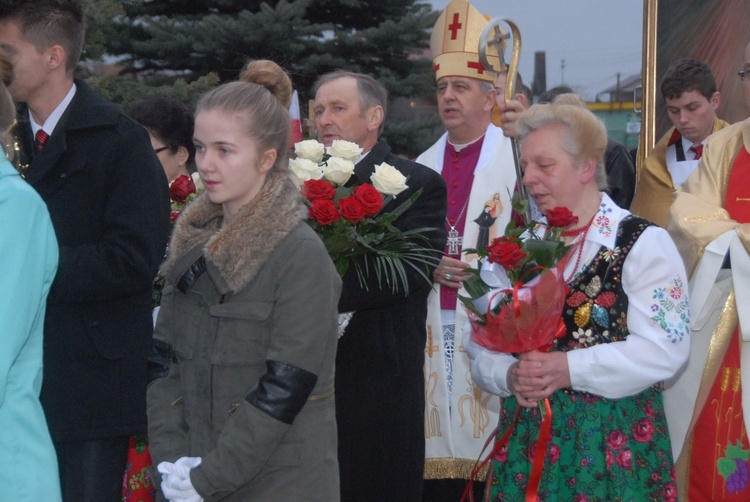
<point>271,76</point>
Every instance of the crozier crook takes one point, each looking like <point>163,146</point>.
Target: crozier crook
<point>494,36</point>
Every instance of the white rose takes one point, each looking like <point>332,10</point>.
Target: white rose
<point>305,169</point>
<point>344,149</point>
<point>338,170</point>
<point>199,186</point>
<point>388,180</point>
<point>310,150</point>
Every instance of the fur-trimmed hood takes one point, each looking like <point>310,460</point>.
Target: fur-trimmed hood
<point>240,248</point>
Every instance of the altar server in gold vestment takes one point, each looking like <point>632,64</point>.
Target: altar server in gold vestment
<point>689,89</point>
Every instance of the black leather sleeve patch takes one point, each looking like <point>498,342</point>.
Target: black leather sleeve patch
<point>159,360</point>
<point>191,275</point>
<point>282,391</point>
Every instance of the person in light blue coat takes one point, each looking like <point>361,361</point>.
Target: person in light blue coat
<point>28,247</point>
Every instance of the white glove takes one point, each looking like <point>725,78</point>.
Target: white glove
<point>176,484</point>
<point>189,462</point>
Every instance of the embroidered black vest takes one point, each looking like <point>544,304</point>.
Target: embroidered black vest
<point>595,309</point>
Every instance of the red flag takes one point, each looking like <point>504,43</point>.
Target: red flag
<point>294,115</point>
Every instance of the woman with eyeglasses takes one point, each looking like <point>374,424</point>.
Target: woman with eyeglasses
<point>170,126</point>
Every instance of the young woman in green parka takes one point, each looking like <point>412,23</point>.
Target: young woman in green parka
<point>241,406</point>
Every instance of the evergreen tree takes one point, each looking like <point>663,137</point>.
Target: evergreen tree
<point>161,41</point>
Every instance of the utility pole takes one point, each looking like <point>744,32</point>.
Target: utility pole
<point>540,73</point>
<point>562,72</point>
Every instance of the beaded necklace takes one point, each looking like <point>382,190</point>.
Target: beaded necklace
<point>572,233</point>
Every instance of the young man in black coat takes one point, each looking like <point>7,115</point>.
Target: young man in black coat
<point>380,358</point>
<point>109,202</point>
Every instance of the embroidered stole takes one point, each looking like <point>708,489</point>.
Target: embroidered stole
<point>719,467</point>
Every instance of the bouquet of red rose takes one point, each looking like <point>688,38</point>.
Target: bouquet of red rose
<point>517,294</point>
<point>350,219</point>
<point>182,191</point>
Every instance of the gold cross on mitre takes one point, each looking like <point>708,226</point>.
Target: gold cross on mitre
<point>455,44</point>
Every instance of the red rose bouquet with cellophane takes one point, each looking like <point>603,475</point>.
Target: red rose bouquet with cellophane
<point>517,294</point>
<point>515,302</point>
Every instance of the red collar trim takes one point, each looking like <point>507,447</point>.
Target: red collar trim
<point>676,136</point>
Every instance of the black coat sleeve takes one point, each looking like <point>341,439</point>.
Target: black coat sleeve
<point>620,173</point>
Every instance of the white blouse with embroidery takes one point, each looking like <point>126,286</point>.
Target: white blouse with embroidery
<point>658,345</point>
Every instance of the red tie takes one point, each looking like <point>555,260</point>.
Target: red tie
<point>697,150</point>
<point>41,140</point>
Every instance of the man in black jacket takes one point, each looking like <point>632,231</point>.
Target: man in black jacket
<point>108,199</point>
<point>379,363</point>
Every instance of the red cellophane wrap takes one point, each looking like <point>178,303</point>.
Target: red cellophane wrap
<point>530,320</point>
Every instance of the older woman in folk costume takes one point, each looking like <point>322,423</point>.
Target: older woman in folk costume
<point>707,406</point>
<point>626,331</point>
<point>476,161</point>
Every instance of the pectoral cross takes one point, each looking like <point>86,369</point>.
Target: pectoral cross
<point>454,241</point>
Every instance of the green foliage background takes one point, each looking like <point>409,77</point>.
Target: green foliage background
<point>181,48</point>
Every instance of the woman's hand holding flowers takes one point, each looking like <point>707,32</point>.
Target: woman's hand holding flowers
<point>536,375</point>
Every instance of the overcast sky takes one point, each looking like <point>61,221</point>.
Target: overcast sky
<point>596,39</point>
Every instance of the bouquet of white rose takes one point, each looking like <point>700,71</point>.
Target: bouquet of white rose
<point>350,219</point>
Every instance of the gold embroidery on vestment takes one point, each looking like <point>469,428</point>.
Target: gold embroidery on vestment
<point>452,468</point>
<point>720,339</point>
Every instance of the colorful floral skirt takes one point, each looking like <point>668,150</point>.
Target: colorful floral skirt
<point>136,485</point>
<point>600,450</point>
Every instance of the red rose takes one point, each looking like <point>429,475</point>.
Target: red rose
<point>318,190</point>
<point>624,459</point>
<point>502,454</point>
<point>643,430</point>
<point>324,212</point>
<point>669,493</point>
<point>505,252</point>
<point>181,188</point>
<point>649,409</point>
<point>561,217</point>
<point>554,454</point>
<point>370,198</point>
<point>610,459</point>
<point>174,215</point>
<point>616,440</point>
<point>351,209</point>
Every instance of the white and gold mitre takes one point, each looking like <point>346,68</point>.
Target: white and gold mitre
<point>455,43</point>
